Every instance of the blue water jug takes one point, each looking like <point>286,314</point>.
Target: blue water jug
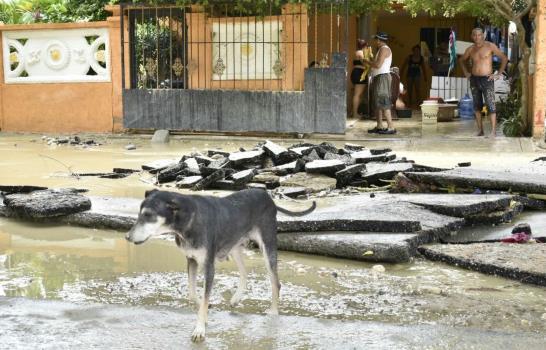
<point>466,107</point>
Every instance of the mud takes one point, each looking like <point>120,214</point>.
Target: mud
<point>61,325</point>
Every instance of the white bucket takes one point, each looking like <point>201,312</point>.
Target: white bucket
<point>429,113</point>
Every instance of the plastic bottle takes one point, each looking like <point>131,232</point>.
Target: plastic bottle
<point>466,107</point>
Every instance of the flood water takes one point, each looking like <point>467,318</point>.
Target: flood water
<point>75,269</point>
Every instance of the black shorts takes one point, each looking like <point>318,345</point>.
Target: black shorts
<point>356,74</point>
<point>483,89</point>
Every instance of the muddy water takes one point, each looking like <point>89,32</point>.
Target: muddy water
<point>28,160</point>
<point>81,266</point>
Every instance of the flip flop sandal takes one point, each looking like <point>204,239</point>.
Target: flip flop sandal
<point>375,130</point>
<point>387,132</point>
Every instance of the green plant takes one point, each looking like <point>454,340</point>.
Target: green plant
<point>508,112</point>
<point>507,108</point>
<point>513,126</point>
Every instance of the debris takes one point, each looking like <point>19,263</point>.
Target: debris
<point>244,158</point>
<point>523,227</point>
<point>280,155</point>
<point>243,177</point>
<point>292,192</point>
<point>207,181</point>
<point>130,147</point>
<point>327,167</point>
<point>171,173</point>
<point>46,203</point>
<point>518,237</point>
<point>6,189</point>
<point>375,172</point>
<point>345,176</point>
<point>161,136</point>
<point>270,180</point>
<point>314,183</point>
<point>124,171</point>
<point>188,181</point>
<point>353,147</point>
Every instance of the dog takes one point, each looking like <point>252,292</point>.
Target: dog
<point>209,228</point>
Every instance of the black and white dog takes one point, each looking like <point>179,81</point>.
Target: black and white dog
<point>208,229</point>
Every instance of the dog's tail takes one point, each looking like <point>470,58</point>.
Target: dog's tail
<point>297,213</point>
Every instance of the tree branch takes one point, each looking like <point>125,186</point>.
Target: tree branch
<point>526,10</point>
<point>502,8</point>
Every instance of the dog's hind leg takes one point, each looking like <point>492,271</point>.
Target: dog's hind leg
<point>199,330</point>
<point>192,280</point>
<point>237,254</point>
<point>269,250</point>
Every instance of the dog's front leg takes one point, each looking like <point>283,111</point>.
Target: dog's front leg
<point>199,331</point>
<point>192,280</point>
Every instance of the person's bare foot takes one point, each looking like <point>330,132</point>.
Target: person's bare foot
<point>480,133</point>
<point>493,135</point>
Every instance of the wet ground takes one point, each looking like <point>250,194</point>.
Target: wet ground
<point>325,303</point>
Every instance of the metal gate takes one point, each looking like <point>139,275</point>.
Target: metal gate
<point>225,67</point>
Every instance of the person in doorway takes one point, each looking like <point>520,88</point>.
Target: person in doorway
<point>482,77</point>
<point>414,66</point>
<point>381,84</point>
<point>397,90</point>
<point>358,76</point>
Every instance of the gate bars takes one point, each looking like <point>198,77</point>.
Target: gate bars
<point>222,45</point>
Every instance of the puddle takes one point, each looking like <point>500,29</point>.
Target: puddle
<point>537,220</point>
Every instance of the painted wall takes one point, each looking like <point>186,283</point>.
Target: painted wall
<point>294,52</point>
<point>57,107</point>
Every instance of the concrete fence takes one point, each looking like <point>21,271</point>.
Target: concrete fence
<point>61,77</point>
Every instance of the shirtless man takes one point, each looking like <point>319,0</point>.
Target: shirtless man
<point>482,77</point>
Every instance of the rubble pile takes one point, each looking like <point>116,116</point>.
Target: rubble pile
<point>293,171</point>
<point>66,140</point>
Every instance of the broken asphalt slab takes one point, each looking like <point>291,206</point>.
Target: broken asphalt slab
<point>366,246</point>
<point>46,203</point>
<point>459,205</point>
<point>532,179</point>
<point>523,262</point>
<point>390,226</point>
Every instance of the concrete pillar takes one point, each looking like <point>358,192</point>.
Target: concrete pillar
<point>539,83</point>
<point>114,28</point>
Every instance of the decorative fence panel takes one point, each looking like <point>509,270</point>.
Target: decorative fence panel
<point>53,56</point>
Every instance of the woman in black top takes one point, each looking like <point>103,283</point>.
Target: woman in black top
<point>359,82</point>
<point>415,64</point>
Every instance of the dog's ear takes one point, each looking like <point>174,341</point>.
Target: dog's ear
<point>147,193</point>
